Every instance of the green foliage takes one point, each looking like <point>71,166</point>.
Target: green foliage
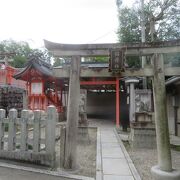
<point>62,61</point>
<point>166,15</point>
<point>99,59</point>
<point>129,27</point>
<point>174,59</point>
<point>133,62</point>
<point>58,62</point>
<point>21,52</point>
<point>18,61</point>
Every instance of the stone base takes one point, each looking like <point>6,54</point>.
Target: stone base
<point>83,135</point>
<point>158,174</point>
<point>142,137</point>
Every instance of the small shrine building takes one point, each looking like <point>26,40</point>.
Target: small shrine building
<point>43,88</point>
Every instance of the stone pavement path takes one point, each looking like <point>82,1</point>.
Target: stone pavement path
<point>116,164</point>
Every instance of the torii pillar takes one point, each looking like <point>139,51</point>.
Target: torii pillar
<point>70,161</point>
<point>163,171</point>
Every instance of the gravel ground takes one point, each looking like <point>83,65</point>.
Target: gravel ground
<point>86,152</point>
<point>144,159</point>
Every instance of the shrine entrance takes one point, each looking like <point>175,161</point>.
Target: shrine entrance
<point>117,54</point>
<point>102,95</point>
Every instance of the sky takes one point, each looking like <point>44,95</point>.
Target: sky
<point>63,21</point>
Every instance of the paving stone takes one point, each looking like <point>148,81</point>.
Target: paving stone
<point>112,152</point>
<point>108,139</point>
<point>109,144</point>
<point>114,177</point>
<point>116,167</point>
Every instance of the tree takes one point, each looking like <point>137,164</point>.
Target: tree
<point>22,51</point>
<point>58,61</point>
<point>129,25</point>
<point>162,21</point>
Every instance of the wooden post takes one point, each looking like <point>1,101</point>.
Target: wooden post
<point>12,131</point>
<point>24,133</point>
<point>72,114</point>
<point>117,104</point>
<point>37,130</point>
<point>161,118</point>
<point>2,116</point>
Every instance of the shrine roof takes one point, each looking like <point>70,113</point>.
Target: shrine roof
<point>44,68</point>
<point>173,80</point>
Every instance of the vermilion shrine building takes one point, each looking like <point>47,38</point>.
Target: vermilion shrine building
<point>43,88</point>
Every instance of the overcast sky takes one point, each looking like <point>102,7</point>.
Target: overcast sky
<point>64,21</point>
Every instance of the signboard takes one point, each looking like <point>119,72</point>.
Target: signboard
<point>36,88</point>
<point>116,59</point>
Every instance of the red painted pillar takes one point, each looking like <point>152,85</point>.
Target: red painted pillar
<point>117,103</point>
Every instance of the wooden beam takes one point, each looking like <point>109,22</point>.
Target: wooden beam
<point>64,73</point>
<point>74,47</point>
<point>128,52</point>
<point>83,53</point>
<point>131,49</point>
<point>151,50</point>
<point>86,72</point>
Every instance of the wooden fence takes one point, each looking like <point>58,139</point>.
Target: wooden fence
<point>17,143</point>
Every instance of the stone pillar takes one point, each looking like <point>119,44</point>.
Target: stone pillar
<point>131,82</point>
<point>163,171</point>
<point>72,115</point>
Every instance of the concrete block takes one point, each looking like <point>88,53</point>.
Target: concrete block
<point>142,138</point>
<point>158,174</point>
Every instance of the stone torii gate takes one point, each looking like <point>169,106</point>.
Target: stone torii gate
<point>157,70</point>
